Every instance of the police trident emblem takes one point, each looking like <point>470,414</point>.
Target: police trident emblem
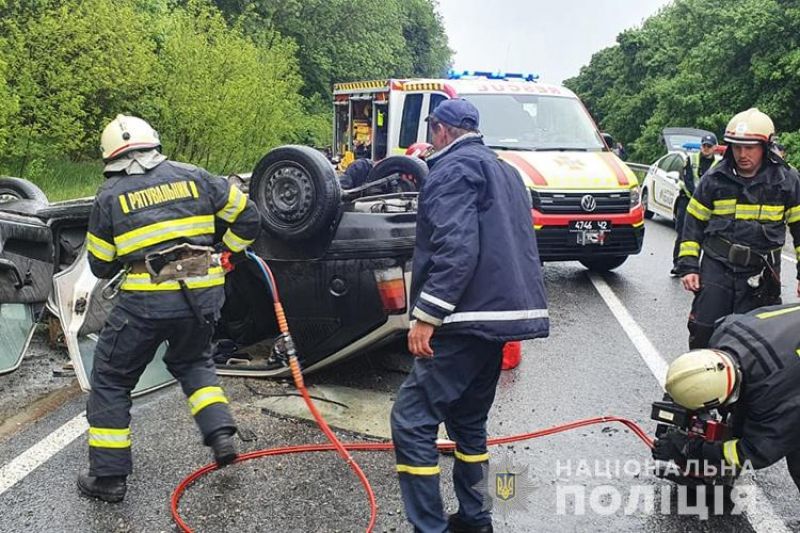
<point>505,485</point>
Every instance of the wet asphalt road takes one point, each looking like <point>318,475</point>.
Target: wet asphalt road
<point>588,367</point>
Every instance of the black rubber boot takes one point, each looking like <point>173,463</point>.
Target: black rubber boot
<point>109,488</point>
<point>224,448</point>
<point>455,524</point>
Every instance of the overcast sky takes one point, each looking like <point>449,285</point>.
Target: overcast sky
<point>550,38</point>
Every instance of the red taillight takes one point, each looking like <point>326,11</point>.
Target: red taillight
<point>392,288</point>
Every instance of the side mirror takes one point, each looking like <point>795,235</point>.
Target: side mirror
<point>608,139</point>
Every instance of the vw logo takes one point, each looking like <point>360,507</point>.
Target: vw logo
<point>588,203</point>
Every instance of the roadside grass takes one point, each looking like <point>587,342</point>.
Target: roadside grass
<point>59,179</point>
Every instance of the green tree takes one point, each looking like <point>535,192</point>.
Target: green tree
<point>224,100</point>
<point>71,66</point>
<point>347,40</point>
<point>696,63</point>
<point>8,102</point>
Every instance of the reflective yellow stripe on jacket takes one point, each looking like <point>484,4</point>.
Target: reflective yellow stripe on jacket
<point>234,242</point>
<point>142,282</point>
<point>698,210</point>
<point>761,213</point>
<point>151,234</point>
<point>205,396</point>
<point>109,437</point>
<point>236,204</point>
<point>724,207</point>
<point>779,312</point>
<point>103,250</point>
<point>793,214</point>
<point>730,454</point>
<point>689,249</point>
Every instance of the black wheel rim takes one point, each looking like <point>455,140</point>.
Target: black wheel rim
<point>289,193</point>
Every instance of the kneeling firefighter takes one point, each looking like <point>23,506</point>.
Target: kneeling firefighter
<point>153,225</point>
<point>738,216</point>
<point>751,372</point>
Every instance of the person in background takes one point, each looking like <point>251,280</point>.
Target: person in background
<point>697,164</point>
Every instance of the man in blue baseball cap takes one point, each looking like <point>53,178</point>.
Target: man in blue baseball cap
<point>457,113</point>
<point>476,283</point>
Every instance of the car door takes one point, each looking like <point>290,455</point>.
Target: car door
<point>79,303</point>
<point>26,270</point>
<point>665,184</point>
<point>672,184</point>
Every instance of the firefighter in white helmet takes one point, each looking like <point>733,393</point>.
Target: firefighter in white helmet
<point>154,221</point>
<point>737,217</point>
<point>750,371</point>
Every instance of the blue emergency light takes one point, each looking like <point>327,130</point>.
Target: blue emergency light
<point>453,75</point>
<point>691,146</point>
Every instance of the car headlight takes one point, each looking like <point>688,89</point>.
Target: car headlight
<point>636,196</point>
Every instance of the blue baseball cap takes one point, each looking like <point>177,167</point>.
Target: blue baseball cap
<point>457,112</point>
<point>709,139</point>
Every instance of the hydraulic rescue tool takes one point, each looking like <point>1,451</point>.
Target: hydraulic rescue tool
<point>709,426</point>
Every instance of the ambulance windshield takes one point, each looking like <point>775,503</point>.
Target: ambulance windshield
<point>535,122</point>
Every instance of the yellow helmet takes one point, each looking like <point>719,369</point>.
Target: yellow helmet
<point>702,379</point>
<point>750,127</point>
<point>126,133</point>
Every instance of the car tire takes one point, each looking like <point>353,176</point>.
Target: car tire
<point>20,189</point>
<point>603,264</point>
<point>645,202</point>
<point>296,190</point>
<point>400,164</point>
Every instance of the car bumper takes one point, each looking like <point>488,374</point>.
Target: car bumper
<point>556,243</point>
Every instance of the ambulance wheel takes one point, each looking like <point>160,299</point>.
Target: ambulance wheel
<point>646,203</point>
<point>603,264</point>
<point>19,189</point>
<point>296,190</point>
<point>403,165</point>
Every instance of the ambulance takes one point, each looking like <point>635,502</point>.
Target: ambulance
<point>586,202</point>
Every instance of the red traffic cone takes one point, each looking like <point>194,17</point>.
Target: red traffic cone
<point>512,355</point>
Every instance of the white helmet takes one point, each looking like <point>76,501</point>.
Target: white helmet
<point>750,127</point>
<point>702,379</point>
<point>126,133</point>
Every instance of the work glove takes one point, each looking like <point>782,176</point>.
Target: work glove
<point>670,447</point>
<point>704,457</point>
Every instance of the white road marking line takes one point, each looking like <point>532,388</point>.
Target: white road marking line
<point>35,456</point>
<point>760,514</point>
<point>651,357</point>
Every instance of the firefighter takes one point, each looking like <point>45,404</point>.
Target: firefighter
<point>476,283</point>
<point>146,207</point>
<point>737,217</point>
<point>751,371</point>
<point>702,161</point>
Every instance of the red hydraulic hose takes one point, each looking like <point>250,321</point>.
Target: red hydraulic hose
<point>345,449</point>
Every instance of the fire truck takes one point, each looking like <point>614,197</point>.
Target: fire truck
<point>586,201</point>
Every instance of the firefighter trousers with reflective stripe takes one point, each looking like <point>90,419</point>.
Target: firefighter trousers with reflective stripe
<point>680,216</point>
<point>126,346</point>
<point>456,386</point>
<point>722,292</point>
